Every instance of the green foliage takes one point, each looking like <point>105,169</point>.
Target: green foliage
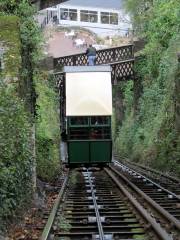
<point>31,40</point>
<point>151,136</point>
<point>15,155</point>
<point>10,37</point>
<point>31,37</point>
<point>21,35</point>
<point>124,141</point>
<point>8,6</point>
<point>47,130</point>
<point>139,11</point>
<point>128,96</point>
<point>30,48</point>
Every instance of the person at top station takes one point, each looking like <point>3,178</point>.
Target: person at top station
<point>91,54</point>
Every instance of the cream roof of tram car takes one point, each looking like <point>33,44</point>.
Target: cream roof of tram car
<point>88,91</point>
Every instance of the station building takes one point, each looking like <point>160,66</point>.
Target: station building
<point>100,16</point>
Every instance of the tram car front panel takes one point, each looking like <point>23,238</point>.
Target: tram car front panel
<point>88,92</point>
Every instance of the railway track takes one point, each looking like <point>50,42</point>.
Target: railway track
<point>165,180</point>
<point>94,204</point>
<point>161,202</point>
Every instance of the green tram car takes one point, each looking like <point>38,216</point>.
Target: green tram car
<point>86,110</point>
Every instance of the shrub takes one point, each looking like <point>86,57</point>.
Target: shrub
<point>15,155</point>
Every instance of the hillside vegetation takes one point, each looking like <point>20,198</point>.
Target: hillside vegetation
<point>15,150</point>
<point>149,133</point>
<point>29,146</point>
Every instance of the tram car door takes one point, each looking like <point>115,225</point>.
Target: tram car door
<point>88,111</point>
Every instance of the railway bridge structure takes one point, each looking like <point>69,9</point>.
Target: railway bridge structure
<point>121,60</point>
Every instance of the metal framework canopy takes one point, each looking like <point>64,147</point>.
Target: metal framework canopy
<point>88,91</point>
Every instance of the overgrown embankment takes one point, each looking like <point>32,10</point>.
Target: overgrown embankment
<point>22,86</point>
<point>47,129</point>
<point>150,131</point>
<point>15,150</point>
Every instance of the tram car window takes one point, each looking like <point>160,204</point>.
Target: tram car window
<point>79,121</point>
<point>100,120</point>
<point>88,111</point>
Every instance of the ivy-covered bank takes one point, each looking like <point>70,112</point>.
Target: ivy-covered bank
<point>15,150</point>
<point>10,41</point>
<point>27,102</point>
<point>47,129</point>
<point>150,132</point>
<point>15,154</point>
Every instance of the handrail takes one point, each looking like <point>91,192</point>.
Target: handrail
<point>101,50</point>
<point>103,56</point>
<point>120,58</point>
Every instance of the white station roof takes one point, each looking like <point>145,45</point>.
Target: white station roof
<point>109,4</point>
<point>88,91</point>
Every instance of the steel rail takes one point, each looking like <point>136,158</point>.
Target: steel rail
<point>98,218</point>
<point>155,205</point>
<point>149,180</point>
<point>164,175</point>
<point>162,234</point>
<point>52,215</point>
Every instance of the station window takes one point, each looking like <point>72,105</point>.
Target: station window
<point>68,14</point>
<point>109,18</point>
<point>89,16</point>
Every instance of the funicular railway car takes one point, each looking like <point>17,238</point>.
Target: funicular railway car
<point>86,110</point>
